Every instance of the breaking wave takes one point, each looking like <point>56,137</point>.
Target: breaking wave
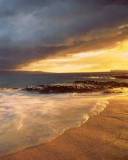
<point>28,119</point>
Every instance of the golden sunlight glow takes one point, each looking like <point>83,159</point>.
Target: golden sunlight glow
<point>115,58</point>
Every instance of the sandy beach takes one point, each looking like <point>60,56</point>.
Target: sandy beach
<point>63,79</point>
<point>102,137</point>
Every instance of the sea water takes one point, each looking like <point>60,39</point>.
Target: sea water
<point>28,119</point>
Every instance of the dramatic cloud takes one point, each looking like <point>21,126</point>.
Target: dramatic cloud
<point>36,29</point>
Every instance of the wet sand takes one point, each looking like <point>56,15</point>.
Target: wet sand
<point>102,137</point>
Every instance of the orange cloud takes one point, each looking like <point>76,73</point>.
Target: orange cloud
<point>86,61</point>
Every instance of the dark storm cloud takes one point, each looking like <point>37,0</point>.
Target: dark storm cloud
<point>33,29</point>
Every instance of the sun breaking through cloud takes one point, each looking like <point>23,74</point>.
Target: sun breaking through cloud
<point>63,35</point>
<point>98,60</point>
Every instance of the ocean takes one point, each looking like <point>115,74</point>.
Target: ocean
<point>29,119</point>
<point>23,79</point>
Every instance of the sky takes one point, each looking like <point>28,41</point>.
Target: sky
<point>64,35</point>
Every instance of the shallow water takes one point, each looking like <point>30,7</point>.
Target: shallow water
<point>30,119</point>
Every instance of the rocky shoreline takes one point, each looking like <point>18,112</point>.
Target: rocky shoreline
<point>78,87</point>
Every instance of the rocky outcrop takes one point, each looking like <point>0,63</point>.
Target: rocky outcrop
<point>77,87</point>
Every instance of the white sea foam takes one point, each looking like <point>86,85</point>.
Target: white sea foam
<point>31,119</point>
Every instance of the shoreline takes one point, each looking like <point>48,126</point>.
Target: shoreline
<point>103,136</point>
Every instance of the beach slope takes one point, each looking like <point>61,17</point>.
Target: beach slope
<point>102,137</point>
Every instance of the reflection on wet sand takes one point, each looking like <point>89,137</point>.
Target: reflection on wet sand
<point>30,119</point>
